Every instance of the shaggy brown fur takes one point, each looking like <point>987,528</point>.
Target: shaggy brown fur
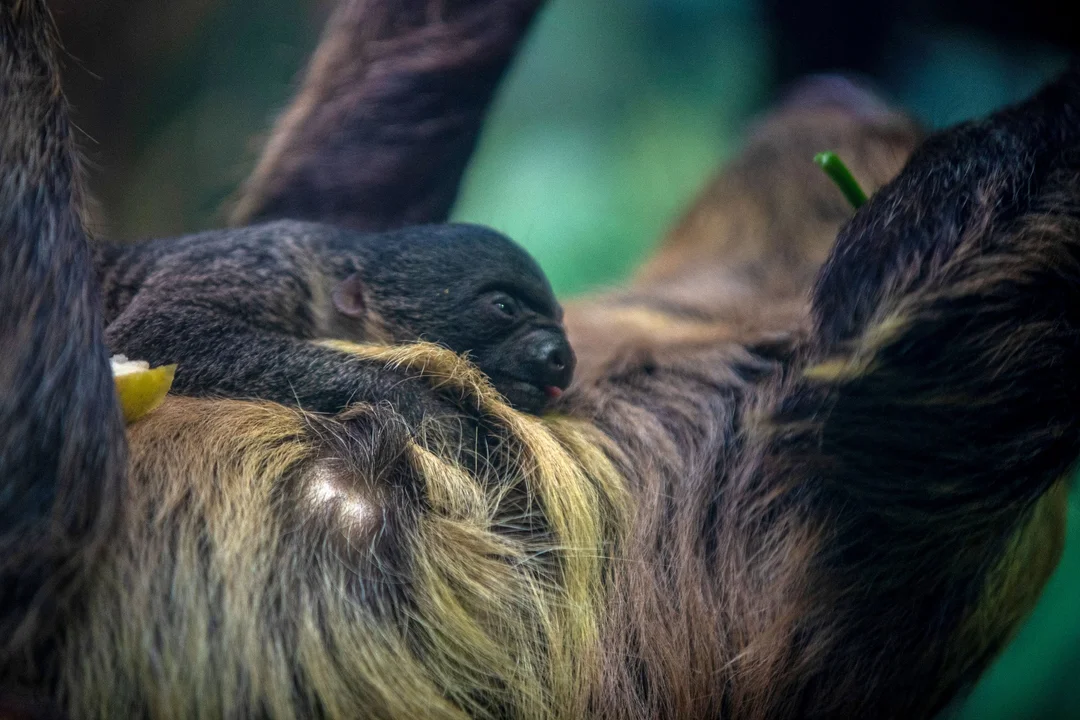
<point>769,497</point>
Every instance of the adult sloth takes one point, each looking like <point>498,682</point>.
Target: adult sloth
<point>766,496</point>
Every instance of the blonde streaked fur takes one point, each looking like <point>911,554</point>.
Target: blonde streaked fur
<point>513,617</point>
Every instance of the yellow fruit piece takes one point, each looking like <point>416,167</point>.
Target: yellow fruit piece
<point>140,388</point>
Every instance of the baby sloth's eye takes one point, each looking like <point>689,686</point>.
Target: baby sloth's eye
<point>505,304</point>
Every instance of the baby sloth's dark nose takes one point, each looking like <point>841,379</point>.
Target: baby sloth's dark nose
<point>553,361</point>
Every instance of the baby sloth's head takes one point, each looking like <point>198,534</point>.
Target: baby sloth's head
<point>472,290</point>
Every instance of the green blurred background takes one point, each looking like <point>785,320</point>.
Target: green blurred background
<point>615,115</point>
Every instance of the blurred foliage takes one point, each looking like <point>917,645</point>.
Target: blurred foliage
<point>612,120</point>
<point>614,117</point>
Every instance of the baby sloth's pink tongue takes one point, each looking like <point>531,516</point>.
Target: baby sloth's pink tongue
<point>552,391</point>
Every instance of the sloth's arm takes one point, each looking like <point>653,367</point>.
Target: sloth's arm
<point>221,352</point>
<point>388,114</point>
<point>62,449</point>
<point>919,438</point>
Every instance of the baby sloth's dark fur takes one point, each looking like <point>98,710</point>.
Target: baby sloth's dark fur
<point>793,479</point>
<point>237,309</point>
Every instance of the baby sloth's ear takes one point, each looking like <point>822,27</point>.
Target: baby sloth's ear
<point>349,297</point>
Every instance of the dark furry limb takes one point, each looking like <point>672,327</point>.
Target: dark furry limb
<point>62,449</point>
<point>388,115</point>
<point>932,408</point>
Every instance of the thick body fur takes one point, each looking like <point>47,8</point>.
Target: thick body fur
<point>239,310</point>
<point>802,491</point>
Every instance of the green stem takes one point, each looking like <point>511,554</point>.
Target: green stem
<point>838,172</point>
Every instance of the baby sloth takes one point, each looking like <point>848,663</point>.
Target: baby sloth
<point>236,309</point>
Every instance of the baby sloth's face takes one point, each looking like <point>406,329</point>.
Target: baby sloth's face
<point>522,346</point>
<point>468,288</point>
<point>478,292</point>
